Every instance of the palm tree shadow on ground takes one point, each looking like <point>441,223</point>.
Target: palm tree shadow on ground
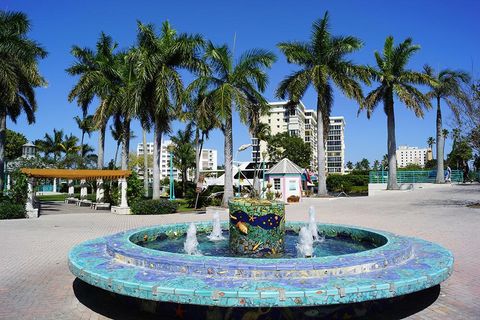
<point>116,306</point>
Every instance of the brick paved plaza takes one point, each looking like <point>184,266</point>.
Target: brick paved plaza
<point>35,282</point>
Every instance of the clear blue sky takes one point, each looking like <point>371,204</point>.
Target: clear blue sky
<point>446,30</point>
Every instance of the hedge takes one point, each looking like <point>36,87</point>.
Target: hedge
<point>160,206</point>
<point>12,211</point>
<point>339,183</point>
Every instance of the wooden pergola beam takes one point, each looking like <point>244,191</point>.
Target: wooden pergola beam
<point>77,174</point>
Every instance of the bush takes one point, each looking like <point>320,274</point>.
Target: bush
<point>205,199</point>
<point>160,206</point>
<point>12,211</point>
<point>293,198</point>
<point>135,189</point>
<point>345,183</point>
<point>19,191</point>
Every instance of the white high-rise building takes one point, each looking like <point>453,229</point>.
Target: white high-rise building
<point>302,122</point>
<point>208,160</point>
<point>413,155</point>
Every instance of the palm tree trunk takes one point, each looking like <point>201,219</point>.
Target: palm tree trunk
<point>440,146</point>
<point>81,143</point>
<point>145,163</point>
<point>184,182</point>
<point>322,179</point>
<point>125,143</point>
<point>116,153</point>
<point>101,146</point>
<point>3,131</point>
<point>392,148</point>
<point>157,149</point>
<point>228,191</point>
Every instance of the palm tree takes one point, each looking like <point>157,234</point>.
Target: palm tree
<point>86,125</point>
<point>145,161</point>
<point>323,64</point>
<point>445,134</point>
<point>98,77</point>
<point>201,115</point>
<point>19,74</point>
<point>160,87</point>
<point>51,144</point>
<point>183,154</point>
<point>116,131</point>
<point>430,142</point>
<point>396,80</point>
<point>232,85</point>
<point>447,87</point>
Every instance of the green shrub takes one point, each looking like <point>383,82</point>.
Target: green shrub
<point>19,192</point>
<point>12,211</point>
<point>135,189</point>
<point>345,183</point>
<point>160,206</point>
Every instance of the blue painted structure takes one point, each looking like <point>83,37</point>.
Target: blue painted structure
<point>400,265</point>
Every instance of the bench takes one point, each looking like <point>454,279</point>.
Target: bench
<point>100,205</point>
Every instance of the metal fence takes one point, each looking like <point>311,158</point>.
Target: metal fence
<point>418,176</point>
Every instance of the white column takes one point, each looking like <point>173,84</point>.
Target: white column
<point>100,197</point>
<point>54,185</point>
<point>123,187</point>
<point>8,182</point>
<point>83,189</point>
<point>71,189</point>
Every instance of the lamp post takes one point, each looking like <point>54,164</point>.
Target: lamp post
<point>264,155</point>
<point>241,148</point>
<point>172,183</point>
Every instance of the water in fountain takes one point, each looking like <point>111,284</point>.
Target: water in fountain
<point>191,243</point>
<point>312,225</point>
<point>305,243</point>
<point>216,234</point>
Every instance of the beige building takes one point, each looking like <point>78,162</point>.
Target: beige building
<point>302,122</point>
<point>413,155</point>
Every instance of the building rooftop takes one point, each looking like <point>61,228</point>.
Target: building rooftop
<point>285,166</point>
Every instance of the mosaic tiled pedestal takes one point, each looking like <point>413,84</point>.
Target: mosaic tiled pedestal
<point>257,228</point>
<point>400,265</point>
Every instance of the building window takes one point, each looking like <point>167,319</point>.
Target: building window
<point>276,184</point>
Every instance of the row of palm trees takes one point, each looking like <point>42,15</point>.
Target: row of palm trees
<point>145,83</point>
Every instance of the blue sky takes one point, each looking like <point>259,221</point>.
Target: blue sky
<point>446,30</point>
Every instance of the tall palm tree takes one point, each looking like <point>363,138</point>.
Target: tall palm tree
<point>145,162</point>
<point>234,85</point>
<point>323,65</point>
<point>183,153</point>
<point>447,87</point>
<point>160,86</point>
<point>396,80</point>
<point>86,125</point>
<point>116,132</point>
<point>19,74</point>
<point>201,115</point>
<point>430,142</point>
<point>98,77</point>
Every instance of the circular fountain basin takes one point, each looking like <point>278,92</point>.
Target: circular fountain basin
<point>383,265</point>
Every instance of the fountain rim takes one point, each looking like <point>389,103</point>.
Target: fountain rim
<point>389,239</point>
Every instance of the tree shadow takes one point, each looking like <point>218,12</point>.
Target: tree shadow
<point>117,306</point>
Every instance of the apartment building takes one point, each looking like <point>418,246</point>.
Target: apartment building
<point>412,155</point>
<point>302,122</point>
<point>208,160</point>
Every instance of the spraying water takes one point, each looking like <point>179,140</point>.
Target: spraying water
<point>216,234</point>
<point>305,243</point>
<point>191,243</point>
<point>312,225</point>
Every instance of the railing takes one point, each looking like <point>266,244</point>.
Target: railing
<point>419,176</point>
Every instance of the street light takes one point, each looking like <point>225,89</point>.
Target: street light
<point>243,147</point>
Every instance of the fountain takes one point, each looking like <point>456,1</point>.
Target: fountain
<point>216,234</point>
<point>305,242</point>
<point>257,264</point>
<point>312,224</point>
<point>191,243</point>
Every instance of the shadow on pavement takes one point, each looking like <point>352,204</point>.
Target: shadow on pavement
<point>116,306</point>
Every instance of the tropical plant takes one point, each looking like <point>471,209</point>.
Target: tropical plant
<point>234,86</point>
<point>430,142</point>
<point>19,74</point>
<point>98,77</point>
<point>447,87</point>
<point>396,81</point>
<point>86,125</point>
<point>183,154</point>
<point>160,87</point>
<point>50,145</point>
<point>323,64</point>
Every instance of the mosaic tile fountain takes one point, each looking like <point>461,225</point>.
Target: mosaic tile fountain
<point>244,267</point>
